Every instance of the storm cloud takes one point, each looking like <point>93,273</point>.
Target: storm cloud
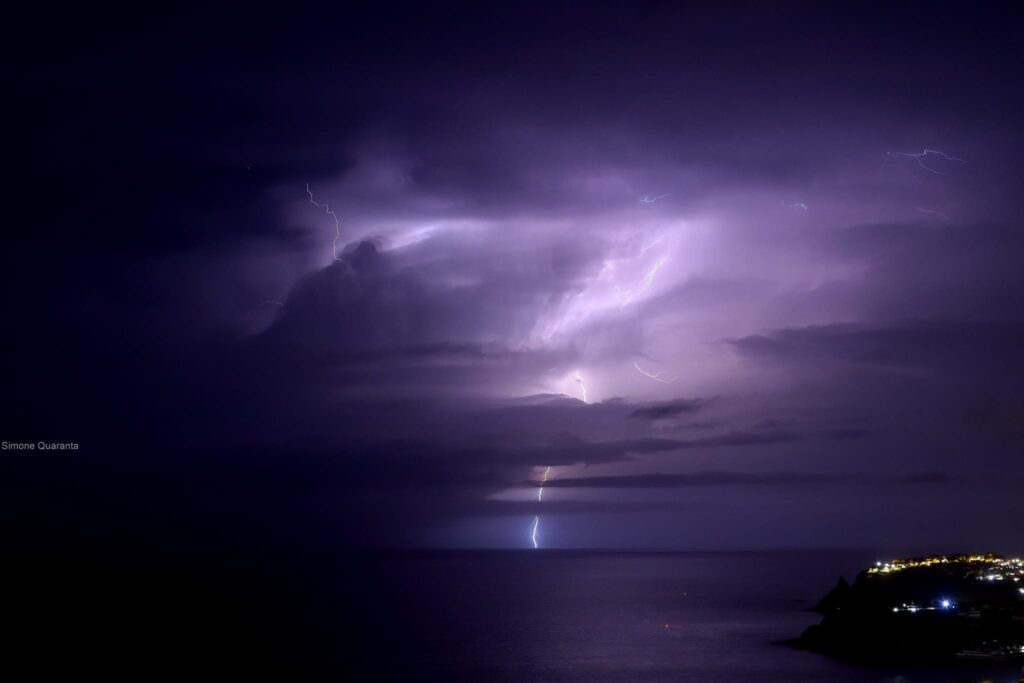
<point>388,264</point>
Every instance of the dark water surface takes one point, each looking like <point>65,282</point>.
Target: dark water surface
<point>453,617</point>
<point>576,616</point>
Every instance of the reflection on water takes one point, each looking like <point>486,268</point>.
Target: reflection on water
<point>568,616</point>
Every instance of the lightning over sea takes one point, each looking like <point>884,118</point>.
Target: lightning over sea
<point>540,498</point>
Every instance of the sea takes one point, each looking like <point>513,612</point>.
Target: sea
<point>300,613</point>
<point>547,615</point>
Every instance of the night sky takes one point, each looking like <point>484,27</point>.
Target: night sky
<point>742,275</point>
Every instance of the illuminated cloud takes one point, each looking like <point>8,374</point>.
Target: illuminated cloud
<point>435,258</point>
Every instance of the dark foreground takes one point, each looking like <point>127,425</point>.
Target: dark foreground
<point>933,609</point>
<point>440,616</point>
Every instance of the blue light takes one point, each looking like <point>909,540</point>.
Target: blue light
<point>946,604</point>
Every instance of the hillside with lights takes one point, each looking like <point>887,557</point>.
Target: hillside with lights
<point>926,609</point>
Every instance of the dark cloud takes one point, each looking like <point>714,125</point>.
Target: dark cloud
<point>848,434</point>
<point>927,478</point>
<point>946,347</point>
<point>983,414</point>
<point>743,439</point>
<point>655,480</point>
<point>674,408</point>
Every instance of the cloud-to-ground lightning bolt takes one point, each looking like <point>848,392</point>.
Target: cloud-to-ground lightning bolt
<point>337,223</point>
<point>659,376</point>
<point>540,497</point>
<point>583,387</point>
<point>540,489</point>
<point>920,157</point>
<point>651,199</point>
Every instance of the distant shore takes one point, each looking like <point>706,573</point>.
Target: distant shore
<point>926,610</point>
